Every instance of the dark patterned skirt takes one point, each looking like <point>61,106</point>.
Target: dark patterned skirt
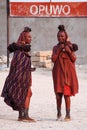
<point>18,81</point>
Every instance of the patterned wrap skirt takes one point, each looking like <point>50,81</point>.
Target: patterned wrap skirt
<point>18,81</point>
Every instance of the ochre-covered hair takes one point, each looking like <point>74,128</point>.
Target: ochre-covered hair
<point>62,29</point>
<point>21,39</point>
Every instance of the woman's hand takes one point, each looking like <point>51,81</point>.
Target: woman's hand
<point>62,46</point>
<point>67,49</point>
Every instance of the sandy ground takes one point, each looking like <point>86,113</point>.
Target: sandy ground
<point>43,104</point>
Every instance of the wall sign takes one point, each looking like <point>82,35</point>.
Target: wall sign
<point>48,8</point>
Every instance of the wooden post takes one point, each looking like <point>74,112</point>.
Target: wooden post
<point>7,5</point>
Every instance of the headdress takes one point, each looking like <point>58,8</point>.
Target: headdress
<point>21,39</point>
<point>62,29</point>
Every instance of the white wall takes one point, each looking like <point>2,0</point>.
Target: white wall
<point>44,31</point>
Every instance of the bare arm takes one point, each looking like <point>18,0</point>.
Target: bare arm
<point>56,52</point>
<point>71,54</point>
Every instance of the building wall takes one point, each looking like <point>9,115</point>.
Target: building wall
<point>44,31</point>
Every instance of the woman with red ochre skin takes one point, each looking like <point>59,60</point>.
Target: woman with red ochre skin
<point>17,88</point>
<point>64,74</point>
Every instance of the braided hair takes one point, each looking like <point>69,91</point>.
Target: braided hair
<point>21,38</point>
<point>62,29</point>
<point>27,29</point>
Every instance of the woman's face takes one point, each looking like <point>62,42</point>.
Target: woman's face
<point>28,38</point>
<point>61,36</point>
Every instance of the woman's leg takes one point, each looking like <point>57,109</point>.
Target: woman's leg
<point>23,113</point>
<point>27,101</point>
<point>67,104</point>
<point>27,105</point>
<point>59,102</point>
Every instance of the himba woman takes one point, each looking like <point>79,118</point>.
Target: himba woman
<point>64,73</point>
<point>17,88</point>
